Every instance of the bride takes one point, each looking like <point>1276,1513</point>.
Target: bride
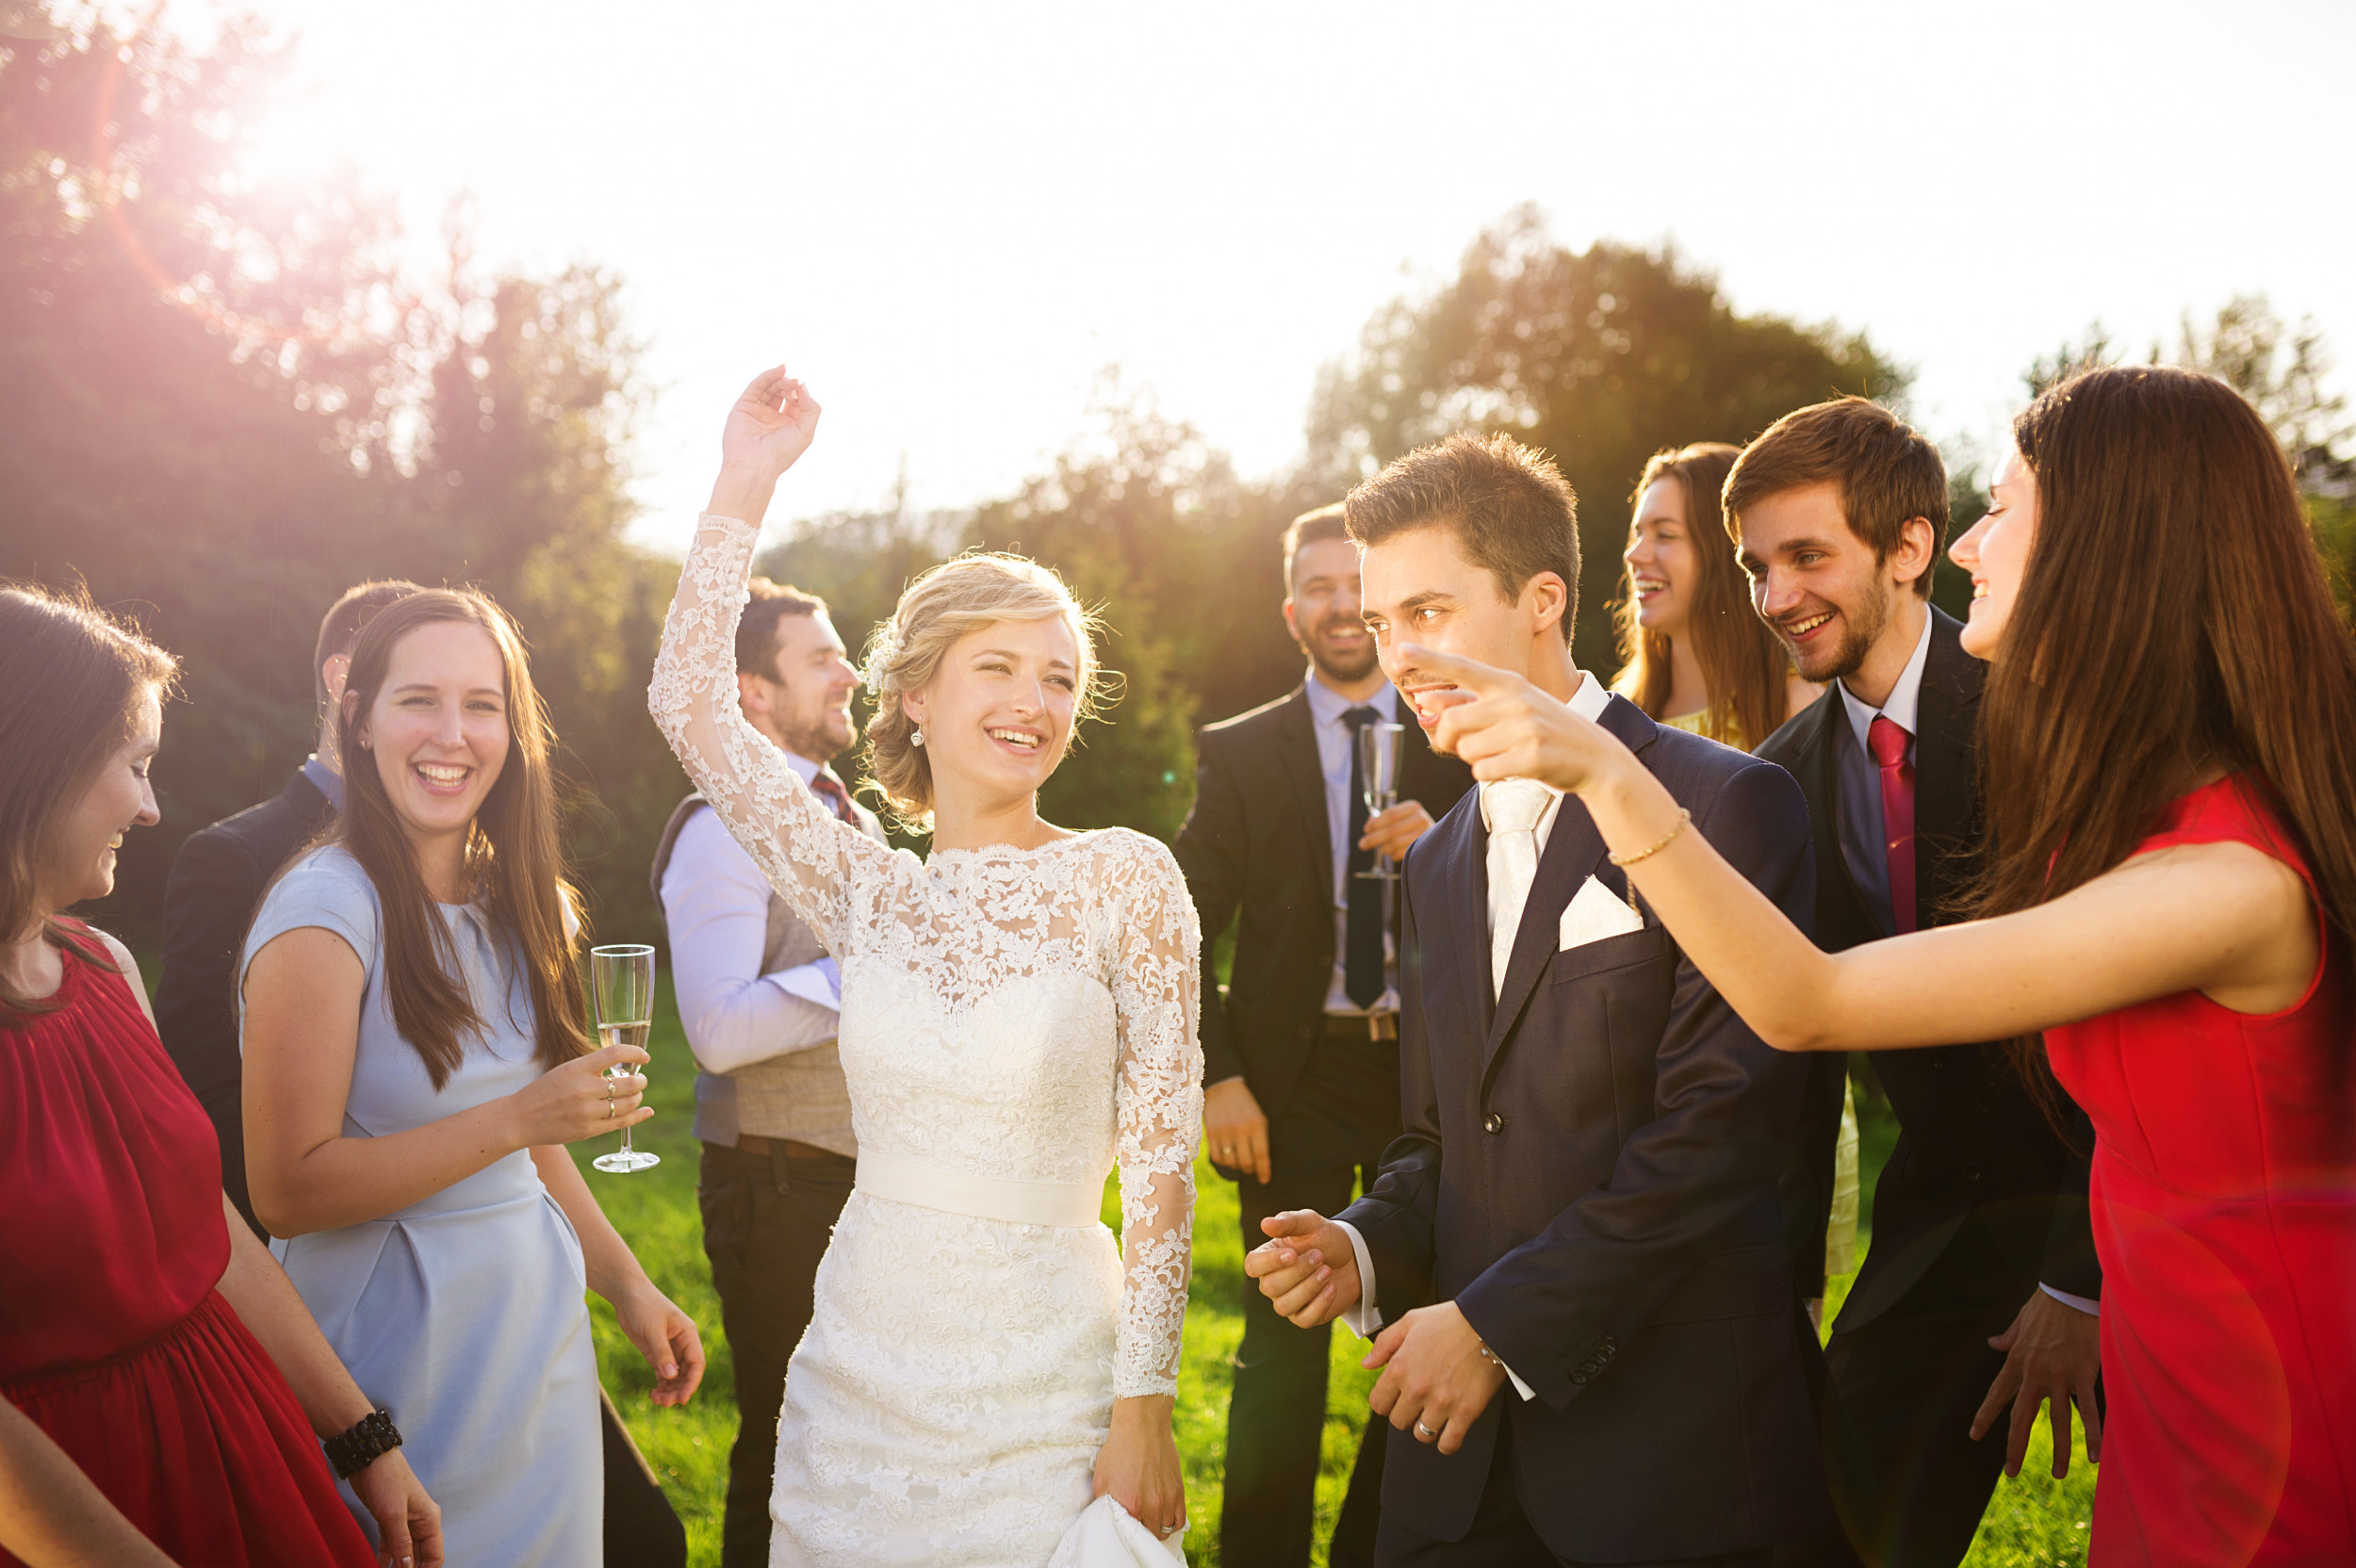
<point>1018,1011</point>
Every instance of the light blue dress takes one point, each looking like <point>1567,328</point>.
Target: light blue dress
<point>463,1313</point>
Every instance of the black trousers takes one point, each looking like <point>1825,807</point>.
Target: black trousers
<point>1899,1394</point>
<point>767,1219</point>
<point>1328,1139</point>
<point>1501,1535</point>
<point>641,1529</point>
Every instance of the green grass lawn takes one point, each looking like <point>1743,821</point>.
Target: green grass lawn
<point>2034,1520</point>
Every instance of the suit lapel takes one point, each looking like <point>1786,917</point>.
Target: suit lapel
<point>1820,781</point>
<point>1574,850</point>
<point>1307,774</point>
<point>1944,785</point>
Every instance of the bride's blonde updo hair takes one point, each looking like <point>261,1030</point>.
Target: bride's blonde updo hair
<point>904,653</point>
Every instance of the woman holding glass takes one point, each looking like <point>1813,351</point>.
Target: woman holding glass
<point>163,1394</point>
<point>416,1061</point>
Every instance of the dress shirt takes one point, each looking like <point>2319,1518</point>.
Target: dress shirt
<point>1326,707</point>
<point>1365,1318</point>
<point>715,902</point>
<point>326,780</point>
<point>1863,830</point>
<point>1863,836</point>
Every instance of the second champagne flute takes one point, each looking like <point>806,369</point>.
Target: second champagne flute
<point>621,992</point>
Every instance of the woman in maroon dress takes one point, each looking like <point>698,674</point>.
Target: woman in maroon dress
<point>2170,741</point>
<point>160,1383</point>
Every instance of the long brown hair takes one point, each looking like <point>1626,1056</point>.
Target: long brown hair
<point>2173,618</point>
<point>1744,667</point>
<point>514,857</point>
<point>72,681</point>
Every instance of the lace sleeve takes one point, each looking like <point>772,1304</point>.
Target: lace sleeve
<point>808,854</point>
<point>1158,1107</point>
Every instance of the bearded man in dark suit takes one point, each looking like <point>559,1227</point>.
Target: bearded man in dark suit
<point>1302,1054</point>
<point>1979,1293</point>
<point>218,879</point>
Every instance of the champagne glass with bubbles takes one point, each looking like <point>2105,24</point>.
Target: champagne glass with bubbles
<point>1378,783</point>
<point>621,990</point>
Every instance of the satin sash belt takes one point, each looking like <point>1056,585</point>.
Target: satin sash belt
<point>981,1197</point>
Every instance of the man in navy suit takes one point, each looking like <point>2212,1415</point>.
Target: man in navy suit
<point>1574,1253</point>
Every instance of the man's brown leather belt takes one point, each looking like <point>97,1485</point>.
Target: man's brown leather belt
<point>1362,1026</point>
<point>793,1149</point>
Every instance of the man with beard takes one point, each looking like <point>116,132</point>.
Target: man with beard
<point>760,1000</point>
<point>1302,1053</point>
<point>1979,1289</point>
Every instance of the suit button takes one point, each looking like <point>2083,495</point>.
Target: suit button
<point>1971,1171</point>
<point>1495,1123</point>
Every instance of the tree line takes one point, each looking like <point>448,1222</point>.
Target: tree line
<point>220,406</point>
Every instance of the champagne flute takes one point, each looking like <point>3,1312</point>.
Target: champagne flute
<point>1378,783</point>
<point>621,991</point>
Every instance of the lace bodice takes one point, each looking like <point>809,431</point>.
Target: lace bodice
<point>1007,1013</point>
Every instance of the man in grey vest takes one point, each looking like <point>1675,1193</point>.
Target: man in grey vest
<point>761,1000</point>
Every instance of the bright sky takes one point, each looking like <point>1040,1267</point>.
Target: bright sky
<point>948,219</point>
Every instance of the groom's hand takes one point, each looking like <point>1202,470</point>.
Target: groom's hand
<point>1434,1377</point>
<point>1307,1267</point>
<point>1394,832</point>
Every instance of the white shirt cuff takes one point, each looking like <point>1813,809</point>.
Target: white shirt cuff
<point>2091,1308</point>
<point>1365,1318</point>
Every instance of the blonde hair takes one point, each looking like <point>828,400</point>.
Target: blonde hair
<point>904,653</point>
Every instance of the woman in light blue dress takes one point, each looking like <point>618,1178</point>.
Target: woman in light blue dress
<point>416,1061</point>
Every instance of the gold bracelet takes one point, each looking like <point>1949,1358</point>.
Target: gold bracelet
<point>1685,820</point>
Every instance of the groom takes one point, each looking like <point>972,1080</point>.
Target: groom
<point>1575,1252</point>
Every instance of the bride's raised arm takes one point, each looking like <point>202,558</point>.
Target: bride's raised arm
<point>1158,1106</point>
<point>806,852</point>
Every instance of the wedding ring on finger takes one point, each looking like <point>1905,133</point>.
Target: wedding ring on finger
<point>608,1107</point>
<point>1424,1431</point>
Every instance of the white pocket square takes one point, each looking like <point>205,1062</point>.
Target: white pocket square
<point>1595,914</point>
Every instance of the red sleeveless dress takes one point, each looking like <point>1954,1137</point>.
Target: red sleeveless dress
<point>2224,1198</point>
<point>112,1338</point>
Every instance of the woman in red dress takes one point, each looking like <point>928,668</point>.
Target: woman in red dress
<point>160,1383</point>
<point>2169,746</point>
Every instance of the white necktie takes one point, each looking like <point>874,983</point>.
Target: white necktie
<point>1514,807</point>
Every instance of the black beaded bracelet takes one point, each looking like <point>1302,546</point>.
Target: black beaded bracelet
<point>353,1451</point>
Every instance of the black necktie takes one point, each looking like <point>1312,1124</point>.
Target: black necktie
<point>1361,961</point>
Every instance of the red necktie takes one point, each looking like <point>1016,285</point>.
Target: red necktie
<point>827,787</point>
<point>1888,743</point>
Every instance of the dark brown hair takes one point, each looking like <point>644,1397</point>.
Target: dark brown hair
<point>339,629</point>
<point>513,855</point>
<point>1312,528</point>
<point>1887,472</point>
<point>757,628</point>
<point>71,680</point>
<point>1508,506</point>
<point>1745,668</point>
<point>2173,618</point>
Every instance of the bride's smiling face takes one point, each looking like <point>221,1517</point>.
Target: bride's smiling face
<point>997,714</point>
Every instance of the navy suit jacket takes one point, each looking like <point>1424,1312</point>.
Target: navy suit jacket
<point>1590,1170</point>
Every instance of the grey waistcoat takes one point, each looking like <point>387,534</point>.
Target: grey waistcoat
<point>800,1095</point>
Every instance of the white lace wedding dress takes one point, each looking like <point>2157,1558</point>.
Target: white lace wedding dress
<point>1013,1021</point>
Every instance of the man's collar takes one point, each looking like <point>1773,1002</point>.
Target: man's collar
<point>803,769</point>
<point>1588,700</point>
<point>1905,697</point>
<point>326,780</point>
<point>1326,706</point>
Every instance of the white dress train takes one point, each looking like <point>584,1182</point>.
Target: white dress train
<point>1014,1021</point>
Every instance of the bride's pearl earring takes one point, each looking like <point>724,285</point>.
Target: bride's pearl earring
<point>916,736</point>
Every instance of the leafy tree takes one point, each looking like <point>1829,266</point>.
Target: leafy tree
<point>1599,357</point>
<point>221,405</point>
